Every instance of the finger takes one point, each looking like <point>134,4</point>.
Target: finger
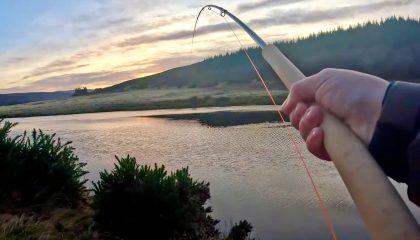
<point>310,120</point>
<point>297,114</point>
<point>315,144</point>
<point>304,91</point>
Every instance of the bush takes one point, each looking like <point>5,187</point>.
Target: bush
<point>140,202</point>
<point>240,231</point>
<point>37,169</point>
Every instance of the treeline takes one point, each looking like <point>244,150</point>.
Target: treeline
<point>389,48</point>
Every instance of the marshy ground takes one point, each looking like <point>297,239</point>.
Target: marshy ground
<point>146,99</point>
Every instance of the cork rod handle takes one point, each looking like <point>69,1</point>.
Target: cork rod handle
<point>381,208</point>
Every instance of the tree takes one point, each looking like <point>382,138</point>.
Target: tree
<point>80,91</point>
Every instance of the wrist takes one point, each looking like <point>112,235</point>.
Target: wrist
<point>396,128</point>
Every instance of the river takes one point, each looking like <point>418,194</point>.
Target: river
<point>253,170</point>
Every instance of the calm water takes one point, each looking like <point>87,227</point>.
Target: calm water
<point>253,170</point>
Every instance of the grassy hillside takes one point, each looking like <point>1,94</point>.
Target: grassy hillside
<point>388,48</point>
<point>18,98</point>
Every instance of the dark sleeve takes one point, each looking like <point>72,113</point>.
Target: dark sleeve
<point>395,143</point>
<point>414,171</point>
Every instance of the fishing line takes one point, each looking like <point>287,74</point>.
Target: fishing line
<point>302,159</point>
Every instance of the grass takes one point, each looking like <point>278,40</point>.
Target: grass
<point>147,99</point>
<point>59,223</point>
<point>19,227</point>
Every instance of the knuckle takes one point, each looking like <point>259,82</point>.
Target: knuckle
<point>314,110</point>
<point>295,88</point>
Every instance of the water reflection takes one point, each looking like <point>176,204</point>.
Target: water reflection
<point>226,118</point>
<point>253,170</point>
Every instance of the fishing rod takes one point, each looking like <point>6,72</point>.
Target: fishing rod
<point>381,207</point>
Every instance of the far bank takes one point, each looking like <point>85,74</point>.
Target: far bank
<point>145,99</point>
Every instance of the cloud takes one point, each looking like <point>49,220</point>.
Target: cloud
<point>195,6</point>
<point>69,81</point>
<point>301,16</point>
<point>156,65</point>
<point>75,61</point>
<point>296,16</point>
<point>144,39</point>
<point>113,76</point>
<point>95,23</point>
<point>13,60</point>
<point>245,7</point>
<point>162,21</point>
<point>56,66</point>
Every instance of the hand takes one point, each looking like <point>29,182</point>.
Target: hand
<point>354,97</point>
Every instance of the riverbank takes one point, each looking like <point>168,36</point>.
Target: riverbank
<point>148,99</point>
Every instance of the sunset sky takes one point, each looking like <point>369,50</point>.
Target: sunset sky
<point>49,45</point>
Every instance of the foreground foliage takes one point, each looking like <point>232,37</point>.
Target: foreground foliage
<point>140,202</point>
<point>42,196</point>
<point>240,231</point>
<point>59,223</point>
<point>38,169</point>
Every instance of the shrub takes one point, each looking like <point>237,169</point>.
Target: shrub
<point>240,231</point>
<point>140,202</point>
<point>37,169</point>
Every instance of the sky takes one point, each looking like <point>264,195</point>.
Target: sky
<point>50,45</point>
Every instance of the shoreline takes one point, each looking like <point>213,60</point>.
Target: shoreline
<point>142,100</point>
<point>209,116</point>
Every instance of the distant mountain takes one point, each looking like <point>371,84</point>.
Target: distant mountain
<point>18,98</point>
<point>388,48</point>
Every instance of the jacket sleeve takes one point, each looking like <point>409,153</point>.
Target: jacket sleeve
<point>414,171</point>
<point>396,141</point>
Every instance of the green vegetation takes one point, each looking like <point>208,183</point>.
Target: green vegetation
<point>54,223</point>
<point>42,196</point>
<point>37,169</point>
<point>139,202</point>
<point>80,91</point>
<point>146,99</point>
<point>18,227</point>
<point>240,231</point>
<point>19,98</point>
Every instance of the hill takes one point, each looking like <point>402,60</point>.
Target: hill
<point>19,98</point>
<point>387,48</point>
